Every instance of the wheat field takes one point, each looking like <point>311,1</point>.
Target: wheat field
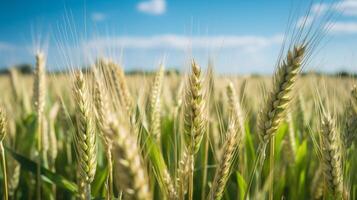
<point>98,133</point>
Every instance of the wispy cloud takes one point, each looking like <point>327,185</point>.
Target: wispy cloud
<point>344,28</point>
<point>344,8</point>
<point>347,7</point>
<point>317,10</point>
<point>98,16</point>
<point>154,7</point>
<point>180,42</point>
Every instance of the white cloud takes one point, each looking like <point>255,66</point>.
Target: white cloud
<point>343,28</point>
<point>98,17</point>
<point>154,7</point>
<point>347,7</point>
<point>316,11</point>
<point>179,42</point>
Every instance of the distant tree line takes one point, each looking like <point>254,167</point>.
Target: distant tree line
<point>28,69</point>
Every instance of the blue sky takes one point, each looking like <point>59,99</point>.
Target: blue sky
<point>239,36</point>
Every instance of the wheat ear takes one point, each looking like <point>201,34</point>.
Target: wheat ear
<point>130,172</point>
<point>317,188</point>
<point>331,155</point>
<point>276,104</point>
<point>279,98</point>
<point>39,104</point>
<point>194,120</point>
<point>102,108</point>
<point>2,152</point>
<point>350,133</point>
<point>121,88</point>
<point>236,110</point>
<point>85,139</point>
<point>155,104</point>
<point>223,171</point>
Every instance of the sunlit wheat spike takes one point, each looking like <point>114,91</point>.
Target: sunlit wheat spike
<point>331,155</point>
<point>85,139</point>
<point>194,118</point>
<point>130,172</point>
<point>172,193</point>
<point>235,109</point>
<point>39,83</point>
<point>317,188</point>
<point>350,133</point>
<point>3,124</point>
<point>278,99</point>
<point>155,103</point>
<point>224,167</point>
<point>102,107</point>
<point>103,117</point>
<point>182,174</point>
<point>121,88</point>
<point>194,121</point>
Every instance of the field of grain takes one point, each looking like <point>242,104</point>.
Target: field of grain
<point>101,134</point>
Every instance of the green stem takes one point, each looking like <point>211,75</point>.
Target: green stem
<point>271,168</point>
<point>39,149</point>
<point>205,160</point>
<point>258,160</point>
<point>3,165</point>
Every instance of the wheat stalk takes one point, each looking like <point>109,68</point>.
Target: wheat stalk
<point>130,172</point>
<point>155,104</point>
<point>102,108</point>
<point>223,170</point>
<point>85,139</point>
<point>278,99</point>
<point>331,155</point>
<point>39,104</point>
<point>277,102</point>
<point>2,152</point>
<point>350,133</point>
<point>194,121</point>
<point>317,188</point>
<point>235,109</point>
<point>275,106</point>
<point>121,88</point>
